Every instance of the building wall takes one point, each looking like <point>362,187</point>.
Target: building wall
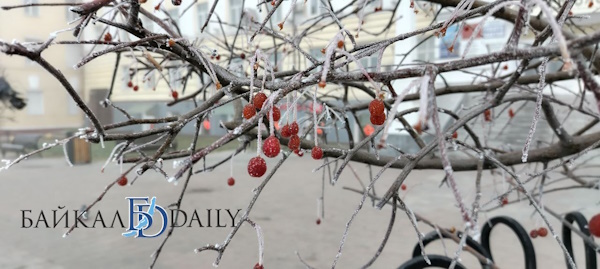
<point>49,106</point>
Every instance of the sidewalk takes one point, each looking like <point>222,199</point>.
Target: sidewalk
<point>286,211</point>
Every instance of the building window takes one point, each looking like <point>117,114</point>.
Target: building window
<point>32,11</point>
<point>236,10</point>
<point>73,108</point>
<point>202,10</point>
<point>369,63</point>
<point>35,97</point>
<point>446,46</point>
<point>314,7</point>
<point>426,49</point>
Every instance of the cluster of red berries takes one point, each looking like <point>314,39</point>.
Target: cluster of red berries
<point>135,87</point>
<point>377,108</point>
<point>257,103</point>
<point>542,232</point>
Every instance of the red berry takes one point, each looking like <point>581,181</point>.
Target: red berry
<point>505,67</point>
<point>318,221</point>
<point>455,135</point>
<point>542,232</point>
<point>136,88</point>
<point>511,113</point>
<point>377,119</point>
<point>257,167</point>
<point>487,115</point>
<point>276,113</point>
<point>294,128</point>
<point>218,57</point>
<point>171,42</point>
<point>249,111</point>
<point>403,187</point>
<point>271,147</point>
<point>533,233</point>
<point>418,127</point>
<point>340,44</point>
<point>504,201</point>
<point>294,142</point>
<point>322,84</point>
<point>175,95</point>
<point>230,181</point>
<point>285,131</point>
<point>316,153</point>
<point>299,152</point>
<point>107,37</point>
<point>243,56</point>
<point>259,100</point>
<point>259,266</point>
<point>122,181</point>
<point>594,225</point>
<point>376,107</point>
<point>130,84</point>
<point>176,2</point>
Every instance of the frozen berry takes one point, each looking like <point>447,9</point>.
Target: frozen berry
<point>249,111</point>
<point>259,266</point>
<point>175,95</point>
<point>294,142</point>
<point>130,84</point>
<point>294,128</point>
<point>257,167</point>
<point>316,153</point>
<point>107,37</point>
<point>243,56</point>
<point>542,232</point>
<point>276,113</point>
<point>377,119</point>
<point>286,131</point>
<point>511,113</point>
<point>505,67</point>
<point>322,84</point>
<point>376,107</point>
<point>171,42</point>
<point>504,201</point>
<point>299,152</point>
<point>280,26</point>
<point>318,221</point>
<point>176,2</point>
<point>455,135</point>
<point>122,181</point>
<point>594,225</point>
<point>218,85</point>
<point>230,181</point>
<point>533,233</point>
<point>136,88</point>
<point>259,100</point>
<point>487,115</point>
<point>403,187</point>
<point>418,127</point>
<point>340,44</point>
<point>271,147</point>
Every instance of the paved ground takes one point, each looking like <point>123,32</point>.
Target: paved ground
<point>286,211</point>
